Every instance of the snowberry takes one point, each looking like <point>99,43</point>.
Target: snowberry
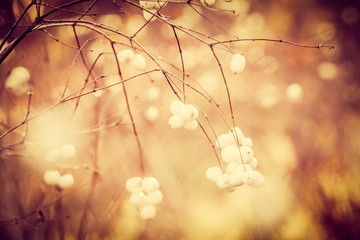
<point>98,93</point>
<point>207,2</point>
<point>246,153</point>
<point>18,81</point>
<point>233,167</point>
<point>125,56</point>
<point>191,125</point>
<point>235,179</point>
<point>223,181</point>
<point>52,177</point>
<point>244,167</point>
<point>294,93</point>
<point>152,93</point>
<point>138,199</point>
<point>147,4</point>
<point>150,184</point>
<point>253,163</point>
<point>237,131</point>
<point>176,106</point>
<point>147,212</point>
<point>152,113</point>
<point>246,141</point>
<point>67,151</point>
<point>183,115</point>
<point>237,64</point>
<point>154,198</point>
<point>160,3</point>
<point>248,176</point>
<point>133,185</point>
<point>176,122</point>
<point>189,112</point>
<point>66,181</point>
<point>52,156</point>
<point>258,181</point>
<point>230,154</point>
<point>150,15</point>
<point>237,167</point>
<point>139,62</point>
<point>213,173</point>
<point>224,140</point>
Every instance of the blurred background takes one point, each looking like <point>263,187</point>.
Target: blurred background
<point>300,107</point>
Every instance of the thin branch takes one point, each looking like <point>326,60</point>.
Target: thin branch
<point>182,61</point>
<point>57,40</point>
<point>15,25</point>
<point>141,160</point>
<point>274,40</point>
<point>208,19</point>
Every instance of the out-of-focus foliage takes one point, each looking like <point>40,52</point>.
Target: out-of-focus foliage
<point>299,105</point>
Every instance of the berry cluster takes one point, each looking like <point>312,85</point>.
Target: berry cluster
<point>65,151</point>
<point>184,115</point>
<point>237,153</point>
<point>153,7</point>
<point>128,56</point>
<point>237,63</point>
<point>145,194</point>
<point>53,177</point>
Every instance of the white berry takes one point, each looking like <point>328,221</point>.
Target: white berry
<point>189,112</point>
<point>294,93</point>
<point>237,64</point>
<point>235,179</point>
<point>133,185</point>
<point>224,140</point>
<point>207,2</point>
<point>258,181</point>
<point>191,125</point>
<point>147,212</point>
<point>52,177</point>
<point>67,151</point>
<point>176,106</point>
<point>153,93</point>
<point>236,131</point>
<point>223,181</point>
<point>176,122</point>
<point>138,199</point>
<point>154,197</point>
<point>150,15</point>
<point>253,163</point>
<point>248,177</point>
<point>125,56</point>
<point>230,153</point>
<point>147,4</point>
<point>66,181</point>
<point>233,167</point>
<point>150,184</point>
<point>139,62</point>
<point>159,4</point>
<point>18,81</point>
<point>247,154</point>
<point>152,113</point>
<point>52,156</point>
<point>213,173</point>
<point>246,141</point>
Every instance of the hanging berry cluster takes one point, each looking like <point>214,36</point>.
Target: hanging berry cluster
<point>237,153</point>
<point>145,194</point>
